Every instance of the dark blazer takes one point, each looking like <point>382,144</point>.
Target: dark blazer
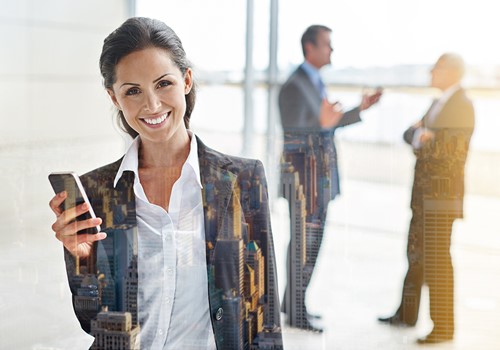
<point>440,163</point>
<point>241,269</point>
<point>300,104</point>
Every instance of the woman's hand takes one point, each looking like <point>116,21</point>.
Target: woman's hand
<point>66,227</point>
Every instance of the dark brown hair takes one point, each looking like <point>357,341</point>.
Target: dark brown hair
<point>311,35</point>
<point>136,34</point>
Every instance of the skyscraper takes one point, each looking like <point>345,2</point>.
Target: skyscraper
<point>233,321</point>
<point>293,192</point>
<point>114,331</point>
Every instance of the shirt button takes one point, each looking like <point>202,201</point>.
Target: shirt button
<point>170,270</point>
<point>160,331</point>
<point>218,314</point>
<point>167,300</point>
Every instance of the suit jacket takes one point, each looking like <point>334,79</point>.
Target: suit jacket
<point>242,284</point>
<point>300,104</point>
<point>440,163</point>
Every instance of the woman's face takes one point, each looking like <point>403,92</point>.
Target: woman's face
<point>150,91</point>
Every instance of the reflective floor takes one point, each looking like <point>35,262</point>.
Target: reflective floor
<point>363,262</point>
<point>359,274</point>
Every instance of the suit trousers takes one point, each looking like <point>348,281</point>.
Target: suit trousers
<point>309,181</point>
<point>429,261</point>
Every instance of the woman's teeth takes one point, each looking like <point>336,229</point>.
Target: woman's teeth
<point>158,120</point>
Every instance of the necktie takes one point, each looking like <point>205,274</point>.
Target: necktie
<point>322,88</point>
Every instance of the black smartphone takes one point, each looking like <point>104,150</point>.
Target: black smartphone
<point>70,182</point>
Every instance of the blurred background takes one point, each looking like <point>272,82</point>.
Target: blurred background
<point>56,116</point>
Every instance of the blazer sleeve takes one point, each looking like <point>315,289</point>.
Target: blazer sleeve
<point>408,135</point>
<point>350,117</point>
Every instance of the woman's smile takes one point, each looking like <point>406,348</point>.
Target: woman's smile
<point>156,122</point>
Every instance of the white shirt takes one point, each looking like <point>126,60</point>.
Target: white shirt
<point>173,309</point>
<point>436,107</point>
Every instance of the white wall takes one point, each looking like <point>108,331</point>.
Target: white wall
<point>54,108</point>
<point>54,116</point>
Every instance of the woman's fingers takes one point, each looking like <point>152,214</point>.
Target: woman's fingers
<point>56,202</point>
<point>73,242</point>
<point>66,227</point>
<point>68,216</point>
<point>72,228</point>
<point>81,245</point>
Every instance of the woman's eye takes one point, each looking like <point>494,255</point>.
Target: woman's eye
<point>132,91</point>
<point>164,83</point>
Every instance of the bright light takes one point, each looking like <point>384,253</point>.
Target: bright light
<point>365,33</point>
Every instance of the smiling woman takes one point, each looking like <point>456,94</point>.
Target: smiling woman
<point>186,255</point>
<point>123,43</point>
<point>149,92</point>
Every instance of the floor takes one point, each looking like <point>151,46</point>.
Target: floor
<point>359,275</point>
<point>363,262</point>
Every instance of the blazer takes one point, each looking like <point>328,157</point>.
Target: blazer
<point>300,104</point>
<point>241,269</point>
<point>440,163</point>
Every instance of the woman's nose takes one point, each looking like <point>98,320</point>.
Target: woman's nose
<point>152,103</point>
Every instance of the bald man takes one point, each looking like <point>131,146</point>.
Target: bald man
<point>440,142</point>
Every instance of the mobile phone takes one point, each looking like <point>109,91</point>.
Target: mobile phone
<point>70,182</point>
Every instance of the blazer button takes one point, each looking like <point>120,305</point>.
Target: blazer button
<point>218,314</point>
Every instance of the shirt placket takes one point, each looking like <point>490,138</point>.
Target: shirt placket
<point>168,232</point>
<point>169,281</point>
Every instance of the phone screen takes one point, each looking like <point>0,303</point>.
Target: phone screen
<point>70,182</point>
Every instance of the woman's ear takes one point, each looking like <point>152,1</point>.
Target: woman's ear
<point>112,96</point>
<point>188,81</point>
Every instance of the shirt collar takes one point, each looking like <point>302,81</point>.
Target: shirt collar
<point>130,161</point>
<point>312,72</point>
<point>192,159</point>
<point>448,93</point>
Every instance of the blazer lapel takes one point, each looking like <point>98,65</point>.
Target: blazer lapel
<point>116,206</point>
<point>126,200</point>
<point>308,88</point>
<point>436,120</point>
<point>218,184</point>
<point>425,118</point>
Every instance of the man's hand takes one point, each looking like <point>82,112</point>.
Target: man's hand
<point>426,136</point>
<point>330,114</point>
<point>368,100</point>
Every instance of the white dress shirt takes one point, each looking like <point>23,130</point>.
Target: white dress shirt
<point>436,107</point>
<point>173,309</point>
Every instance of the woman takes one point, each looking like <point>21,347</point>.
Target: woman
<point>186,258</point>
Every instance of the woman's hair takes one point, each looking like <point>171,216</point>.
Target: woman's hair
<point>136,34</point>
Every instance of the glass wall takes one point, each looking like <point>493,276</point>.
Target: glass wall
<point>57,116</point>
<point>392,44</point>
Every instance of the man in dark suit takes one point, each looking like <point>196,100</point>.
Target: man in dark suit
<point>309,176</point>
<point>440,141</point>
